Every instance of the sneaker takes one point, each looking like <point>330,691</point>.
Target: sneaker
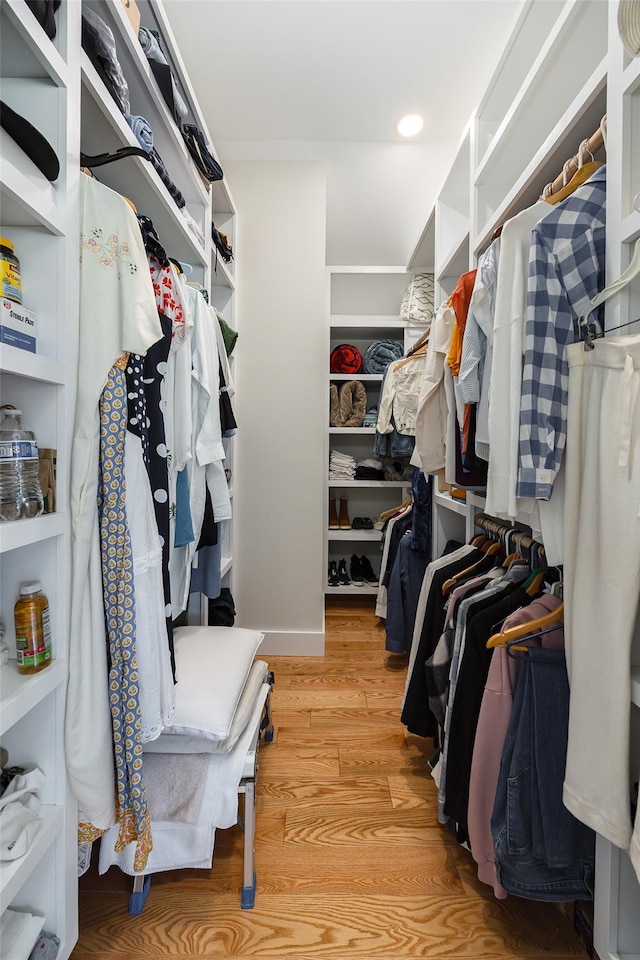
<point>367,573</point>
<point>355,571</point>
<point>333,579</point>
<point>343,576</point>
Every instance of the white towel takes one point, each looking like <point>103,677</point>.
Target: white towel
<point>174,784</point>
<point>18,933</point>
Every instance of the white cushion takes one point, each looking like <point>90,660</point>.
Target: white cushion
<point>212,665</point>
<point>172,743</point>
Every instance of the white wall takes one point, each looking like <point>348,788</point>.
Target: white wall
<point>378,194</point>
<point>280,473</point>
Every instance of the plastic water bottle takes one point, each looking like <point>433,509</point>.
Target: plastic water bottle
<point>20,492</point>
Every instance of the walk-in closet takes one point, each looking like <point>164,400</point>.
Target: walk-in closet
<point>319,479</point>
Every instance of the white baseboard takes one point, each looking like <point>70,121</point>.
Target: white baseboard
<point>294,643</point>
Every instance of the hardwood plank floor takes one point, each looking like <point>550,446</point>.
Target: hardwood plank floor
<point>351,861</point>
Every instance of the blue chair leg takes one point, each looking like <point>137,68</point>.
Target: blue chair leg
<point>138,898</point>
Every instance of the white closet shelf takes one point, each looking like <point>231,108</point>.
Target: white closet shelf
<point>27,198</point>
<point>20,693</point>
<point>352,431</point>
<point>532,88</point>
<point>579,121</point>
<point>370,535</point>
<point>365,377</point>
<point>37,42</point>
<point>15,873</point>
<point>147,101</point>
<point>221,275</point>
<point>635,686</point>
<point>631,76</point>
<point>367,591</point>
<point>104,128</point>
<point>226,564</point>
<point>21,533</point>
<point>422,258</point>
<point>630,227</point>
<point>370,483</point>
<point>456,260</point>
<point>31,365</point>
<point>363,320</point>
<point>456,506</point>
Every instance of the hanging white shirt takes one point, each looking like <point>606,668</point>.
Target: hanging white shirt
<point>431,415</point>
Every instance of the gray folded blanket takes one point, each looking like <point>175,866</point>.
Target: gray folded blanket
<point>380,354</point>
<point>174,784</point>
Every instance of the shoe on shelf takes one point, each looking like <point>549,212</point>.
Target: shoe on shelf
<point>355,572</point>
<point>343,575</point>
<point>344,522</point>
<point>356,523</point>
<point>333,515</point>
<point>367,523</point>
<point>366,571</point>
<point>333,579</point>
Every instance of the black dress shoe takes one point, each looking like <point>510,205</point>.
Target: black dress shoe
<point>343,576</point>
<point>356,523</point>
<point>367,573</point>
<point>367,523</point>
<point>355,570</point>
<point>333,579</point>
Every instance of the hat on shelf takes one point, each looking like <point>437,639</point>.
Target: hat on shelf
<point>31,141</point>
<point>629,25</point>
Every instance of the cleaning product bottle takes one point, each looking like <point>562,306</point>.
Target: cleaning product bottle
<point>33,628</point>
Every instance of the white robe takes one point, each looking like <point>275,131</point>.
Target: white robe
<point>117,313</point>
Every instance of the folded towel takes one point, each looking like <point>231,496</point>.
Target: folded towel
<point>381,353</point>
<point>174,784</point>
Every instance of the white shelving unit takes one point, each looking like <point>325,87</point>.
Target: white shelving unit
<point>562,68</point>
<point>364,306</point>
<point>55,86</point>
<point>40,80</point>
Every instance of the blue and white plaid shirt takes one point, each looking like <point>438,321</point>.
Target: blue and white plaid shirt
<point>566,270</point>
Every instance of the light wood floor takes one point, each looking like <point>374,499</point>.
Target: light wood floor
<point>351,861</point>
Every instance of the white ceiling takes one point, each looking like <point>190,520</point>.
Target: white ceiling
<point>338,70</point>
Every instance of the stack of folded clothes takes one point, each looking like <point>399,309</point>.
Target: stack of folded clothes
<point>369,470</point>
<point>341,466</point>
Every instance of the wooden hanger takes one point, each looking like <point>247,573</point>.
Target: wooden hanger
<point>420,352</point>
<point>526,629</point>
<point>392,511</point>
<point>420,342</point>
<point>491,551</point>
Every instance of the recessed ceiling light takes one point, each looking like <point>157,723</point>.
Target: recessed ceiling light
<point>410,126</point>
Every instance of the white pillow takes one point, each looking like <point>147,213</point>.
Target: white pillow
<point>212,666</point>
<point>170,743</point>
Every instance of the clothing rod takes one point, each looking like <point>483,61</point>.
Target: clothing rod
<point>594,143</point>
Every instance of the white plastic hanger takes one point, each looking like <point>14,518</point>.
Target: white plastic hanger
<point>588,330</point>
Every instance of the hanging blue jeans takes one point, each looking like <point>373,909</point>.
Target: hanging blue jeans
<point>541,851</point>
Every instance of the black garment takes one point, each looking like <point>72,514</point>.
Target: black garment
<point>209,530</point>
<point>484,620</point>
<point>100,47</point>
<point>471,472</point>
<point>151,240</point>
<point>227,416</point>
<point>398,530</point>
<point>43,11</point>
<point>421,513</point>
<point>144,382</point>
<point>416,714</point>
<point>368,473</point>
<point>438,665</point>
<point>222,610</point>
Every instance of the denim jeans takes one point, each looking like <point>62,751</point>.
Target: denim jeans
<point>542,852</point>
